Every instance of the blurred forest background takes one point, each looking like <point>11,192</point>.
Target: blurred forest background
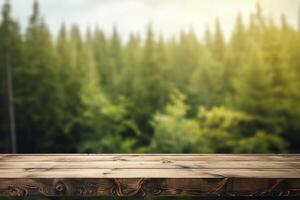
<point>96,93</point>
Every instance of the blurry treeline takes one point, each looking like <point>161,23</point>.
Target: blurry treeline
<point>95,93</point>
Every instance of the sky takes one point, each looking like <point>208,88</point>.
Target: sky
<point>168,17</point>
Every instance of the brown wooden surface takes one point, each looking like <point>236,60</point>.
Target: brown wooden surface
<point>149,175</point>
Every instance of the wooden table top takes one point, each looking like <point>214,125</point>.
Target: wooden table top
<point>149,175</point>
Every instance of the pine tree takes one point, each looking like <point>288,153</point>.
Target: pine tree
<point>130,72</point>
<point>253,86</point>
<point>239,38</point>
<point>205,86</point>
<point>76,43</point>
<point>116,49</point>
<point>10,61</point>
<point>153,69</point>
<point>208,38</point>
<point>69,90</point>
<point>62,48</point>
<point>41,106</point>
<point>218,47</point>
<point>236,57</point>
<point>100,46</point>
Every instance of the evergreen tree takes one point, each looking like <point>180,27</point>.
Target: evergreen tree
<point>238,41</point>
<point>208,38</point>
<point>100,45</point>
<point>206,86</point>
<point>39,86</point>
<point>218,46</point>
<point>69,91</point>
<point>253,87</point>
<point>11,49</point>
<point>132,61</point>
<point>115,64</point>
<point>77,48</point>
<point>236,57</point>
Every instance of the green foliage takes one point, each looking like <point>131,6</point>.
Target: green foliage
<point>222,127</point>
<point>97,93</point>
<point>261,143</point>
<point>174,132</point>
<point>255,84</point>
<point>11,50</point>
<point>218,130</point>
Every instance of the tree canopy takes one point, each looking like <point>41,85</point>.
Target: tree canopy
<point>94,92</point>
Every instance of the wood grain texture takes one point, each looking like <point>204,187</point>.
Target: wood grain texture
<point>150,187</point>
<point>144,158</point>
<point>151,165</point>
<point>149,175</point>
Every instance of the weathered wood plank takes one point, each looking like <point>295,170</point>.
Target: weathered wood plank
<point>149,173</point>
<point>145,158</point>
<point>150,187</point>
<point>152,165</point>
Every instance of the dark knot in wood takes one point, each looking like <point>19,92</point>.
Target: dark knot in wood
<point>60,188</point>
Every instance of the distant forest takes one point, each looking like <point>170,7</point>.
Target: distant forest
<point>94,93</point>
